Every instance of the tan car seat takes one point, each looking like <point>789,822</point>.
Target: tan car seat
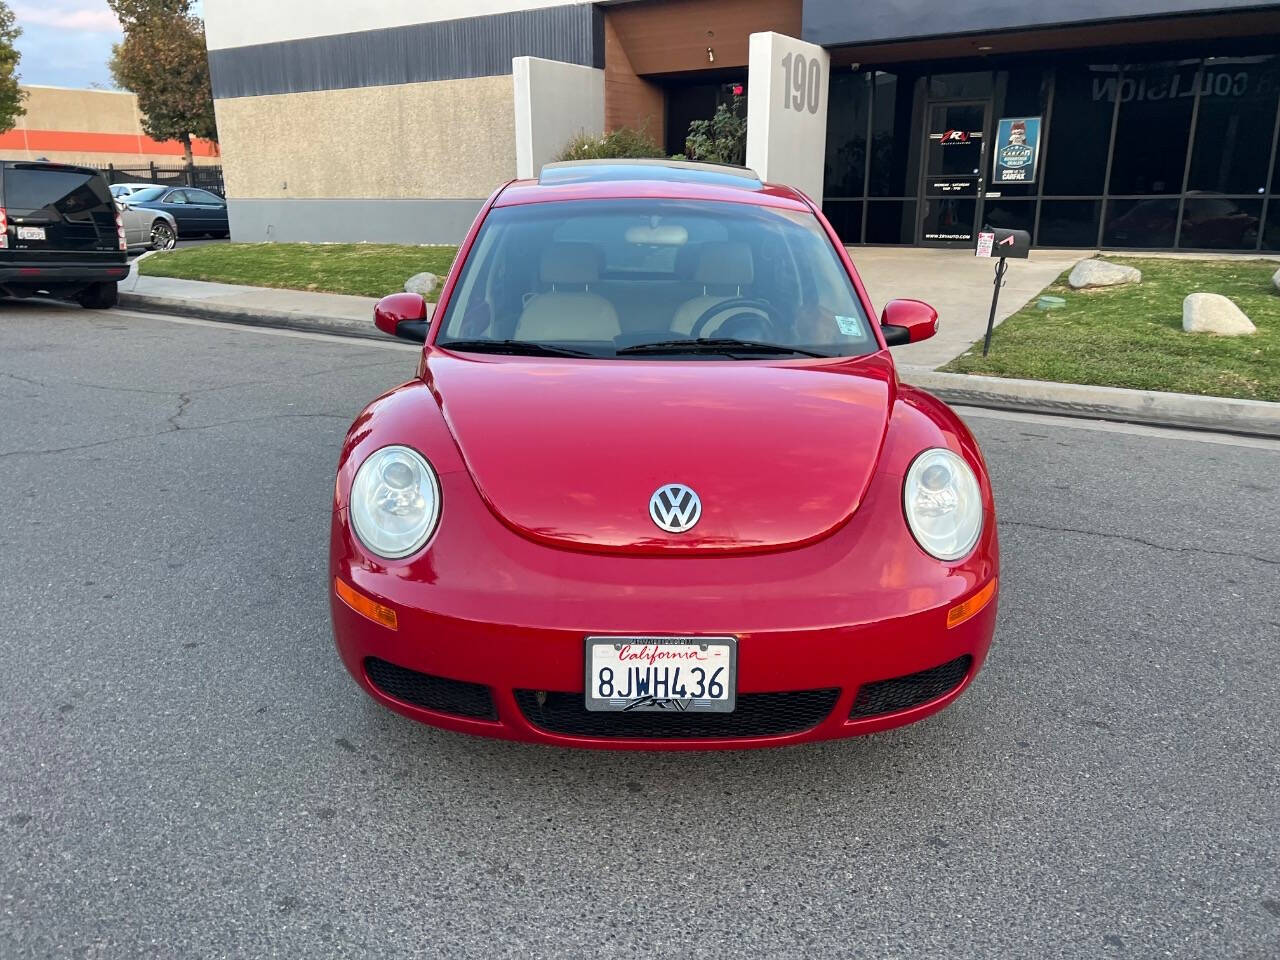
<point>575,314</point>
<point>725,267</point>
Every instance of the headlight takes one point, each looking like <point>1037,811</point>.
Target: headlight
<point>395,502</point>
<point>943,504</point>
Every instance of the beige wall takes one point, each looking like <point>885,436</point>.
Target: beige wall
<point>446,139</point>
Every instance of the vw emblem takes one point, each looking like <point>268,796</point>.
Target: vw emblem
<point>675,508</point>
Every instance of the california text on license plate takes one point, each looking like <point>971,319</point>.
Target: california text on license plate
<point>674,674</point>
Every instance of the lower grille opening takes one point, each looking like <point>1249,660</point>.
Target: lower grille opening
<point>754,715</point>
<point>903,693</point>
<point>431,692</point>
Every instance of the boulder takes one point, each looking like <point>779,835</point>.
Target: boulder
<point>1102,273</point>
<point>1214,313</point>
<point>421,284</point>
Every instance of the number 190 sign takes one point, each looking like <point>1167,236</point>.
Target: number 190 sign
<point>804,82</point>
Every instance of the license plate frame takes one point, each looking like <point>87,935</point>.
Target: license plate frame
<point>32,233</point>
<point>722,654</point>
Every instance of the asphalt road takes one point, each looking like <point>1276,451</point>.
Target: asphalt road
<point>186,771</point>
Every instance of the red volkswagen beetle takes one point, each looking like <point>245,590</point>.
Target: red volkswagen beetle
<point>656,483</point>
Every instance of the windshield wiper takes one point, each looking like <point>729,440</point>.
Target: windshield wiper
<point>727,345</point>
<point>526,347</point>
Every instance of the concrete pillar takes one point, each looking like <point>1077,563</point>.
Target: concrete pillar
<point>554,102</point>
<point>787,111</point>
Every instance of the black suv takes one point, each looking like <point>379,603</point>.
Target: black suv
<point>60,234</point>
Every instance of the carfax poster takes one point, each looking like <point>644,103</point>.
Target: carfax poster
<point>1017,150</point>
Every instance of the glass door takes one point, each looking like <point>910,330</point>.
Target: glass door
<point>955,155</point>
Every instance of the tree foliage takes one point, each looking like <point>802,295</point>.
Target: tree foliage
<point>163,60</point>
<point>723,138</point>
<point>11,95</point>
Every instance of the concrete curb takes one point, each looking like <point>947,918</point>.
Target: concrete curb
<point>1220,414</point>
<point>257,317</point>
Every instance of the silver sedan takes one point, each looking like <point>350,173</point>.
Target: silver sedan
<point>152,229</point>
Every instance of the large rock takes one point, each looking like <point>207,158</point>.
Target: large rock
<point>421,284</point>
<point>1214,313</point>
<point>1102,273</point>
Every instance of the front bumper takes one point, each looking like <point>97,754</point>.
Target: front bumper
<point>496,624</point>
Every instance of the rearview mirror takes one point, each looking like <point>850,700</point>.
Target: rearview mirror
<point>402,315</point>
<point>908,321</point>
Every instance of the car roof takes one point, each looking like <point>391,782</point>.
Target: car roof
<point>645,178</point>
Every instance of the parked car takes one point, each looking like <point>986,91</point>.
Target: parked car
<point>145,228</point>
<point>197,212</point>
<point>657,483</point>
<point>60,233</point>
<point>124,189</point>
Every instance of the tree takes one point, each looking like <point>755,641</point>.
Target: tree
<point>11,95</point>
<point>163,60</point>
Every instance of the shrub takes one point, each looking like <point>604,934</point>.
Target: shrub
<point>621,143</point>
<point>723,138</point>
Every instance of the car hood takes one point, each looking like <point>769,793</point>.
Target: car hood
<point>569,452</point>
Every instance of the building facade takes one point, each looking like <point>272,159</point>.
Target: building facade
<point>92,127</point>
<point>1127,124</point>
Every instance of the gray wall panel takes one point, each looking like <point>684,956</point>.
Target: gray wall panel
<point>832,22</point>
<point>299,220</point>
<point>445,50</point>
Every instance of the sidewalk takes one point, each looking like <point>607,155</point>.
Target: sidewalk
<point>959,286</point>
<point>259,306</point>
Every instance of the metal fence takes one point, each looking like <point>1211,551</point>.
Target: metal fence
<point>207,177</point>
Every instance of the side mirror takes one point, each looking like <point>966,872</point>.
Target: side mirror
<point>908,321</point>
<point>402,315</point>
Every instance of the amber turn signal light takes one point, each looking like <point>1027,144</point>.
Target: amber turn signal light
<point>365,606</point>
<point>971,607</point>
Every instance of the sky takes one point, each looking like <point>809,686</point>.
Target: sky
<point>66,43</point>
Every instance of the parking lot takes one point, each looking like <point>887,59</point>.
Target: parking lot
<point>189,772</point>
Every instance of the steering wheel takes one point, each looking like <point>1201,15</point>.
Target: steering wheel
<point>736,304</point>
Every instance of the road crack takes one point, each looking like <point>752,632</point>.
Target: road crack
<point>1141,542</point>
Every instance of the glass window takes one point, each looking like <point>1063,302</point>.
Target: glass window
<point>1010,214</point>
<point>960,86</point>
<point>1233,125</point>
<point>1220,223</point>
<point>849,106</point>
<point>895,136</point>
<point>606,277</point>
<point>1141,223</point>
<point>203,196</point>
<point>1153,128</point>
<point>1069,223</point>
<point>147,194</point>
<point>1079,132</point>
<point>69,190</point>
<point>891,221</point>
<point>846,218</point>
<point>949,219</point>
<point>1271,230</point>
<point>1022,92</point>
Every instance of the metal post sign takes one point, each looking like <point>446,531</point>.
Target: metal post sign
<point>1017,153</point>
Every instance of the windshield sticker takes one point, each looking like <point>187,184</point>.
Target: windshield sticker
<point>850,326</point>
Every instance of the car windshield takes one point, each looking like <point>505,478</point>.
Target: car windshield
<point>147,193</point>
<point>660,278</point>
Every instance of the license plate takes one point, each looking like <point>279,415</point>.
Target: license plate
<point>673,674</point>
<point>31,233</point>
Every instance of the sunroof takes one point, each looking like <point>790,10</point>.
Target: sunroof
<point>677,171</point>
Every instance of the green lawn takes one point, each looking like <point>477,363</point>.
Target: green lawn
<point>364,269</point>
<point>1131,336</point>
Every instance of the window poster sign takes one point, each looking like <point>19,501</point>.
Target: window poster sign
<point>1017,153</point>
